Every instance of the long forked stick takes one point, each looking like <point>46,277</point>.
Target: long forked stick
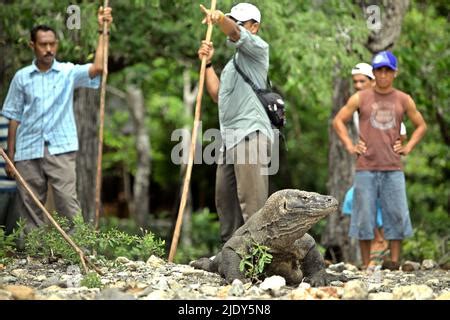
<point>66,237</point>
<point>98,181</point>
<point>187,178</point>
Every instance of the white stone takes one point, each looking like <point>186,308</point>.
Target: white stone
<point>355,290</point>
<point>304,285</point>
<point>237,288</point>
<point>432,282</point>
<point>122,260</point>
<point>154,261</point>
<point>273,283</point>
<point>41,278</point>
<point>351,267</point>
<point>413,292</point>
<point>428,264</point>
<point>19,273</point>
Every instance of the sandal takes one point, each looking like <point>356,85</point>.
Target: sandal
<point>379,252</point>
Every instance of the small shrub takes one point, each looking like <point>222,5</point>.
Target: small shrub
<point>422,246</point>
<point>91,280</point>
<point>46,241</point>
<point>253,263</point>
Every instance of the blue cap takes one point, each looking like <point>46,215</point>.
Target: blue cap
<point>384,59</point>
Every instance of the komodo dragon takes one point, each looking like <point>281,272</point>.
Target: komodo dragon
<point>281,225</point>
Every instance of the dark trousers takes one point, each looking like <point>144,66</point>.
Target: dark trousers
<point>8,211</point>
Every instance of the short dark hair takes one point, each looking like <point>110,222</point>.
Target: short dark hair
<point>41,27</point>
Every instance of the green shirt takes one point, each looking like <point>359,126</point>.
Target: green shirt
<point>240,111</point>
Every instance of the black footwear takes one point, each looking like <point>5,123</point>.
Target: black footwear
<point>390,265</point>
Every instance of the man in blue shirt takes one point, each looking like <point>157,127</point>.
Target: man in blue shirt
<point>42,134</point>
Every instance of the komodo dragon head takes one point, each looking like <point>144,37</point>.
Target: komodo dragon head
<point>288,214</point>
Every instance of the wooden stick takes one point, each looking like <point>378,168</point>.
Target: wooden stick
<point>66,237</point>
<point>98,181</point>
<point>187,178</point>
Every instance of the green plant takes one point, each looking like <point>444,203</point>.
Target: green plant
<point>46,241</point>
<point>254,262</point>
<point>91,280</point>
<point>422,246</point>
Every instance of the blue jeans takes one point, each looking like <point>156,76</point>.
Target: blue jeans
<point>348,205</point>
<point>389,187</point>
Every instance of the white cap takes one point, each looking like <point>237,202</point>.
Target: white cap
<point>245,11</point>
<point>364,69</point>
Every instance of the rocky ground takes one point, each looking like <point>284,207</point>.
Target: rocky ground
<point>30,279</point>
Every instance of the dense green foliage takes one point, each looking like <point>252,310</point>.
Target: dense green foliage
<point>153,42</point>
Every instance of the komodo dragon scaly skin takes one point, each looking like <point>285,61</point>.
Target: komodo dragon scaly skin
<point>281,225</point>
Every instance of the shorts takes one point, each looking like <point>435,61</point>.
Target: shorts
<point>389,187</point>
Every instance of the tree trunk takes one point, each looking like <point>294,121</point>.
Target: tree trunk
<point>141,200</point>
<point>86,114</point>
<point>341,165</point>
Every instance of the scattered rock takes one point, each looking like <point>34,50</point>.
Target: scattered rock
<point>114,294</point>
<point>351,267</point>
<point>122,260</point>
<point>428,264</point>
<point>273,283</point>
<point>432,282</point>
<point>19,273</point>
<point>413,292</point>
<point>5,295</point>
<point>444,296</point>
<point>73,270</point>
<point>337,283</point>
<point>156,279</point>
<point>338,267</point>
<point>155,262</point>
<point>237,288</point>
<point>410,266</point>
<point>21,292</point>
<point>355,290</point>
<point>381,296</point>
<point>301,294</point>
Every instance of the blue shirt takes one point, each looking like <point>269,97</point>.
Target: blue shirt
<point>6,184</point>
<point>43,104</point>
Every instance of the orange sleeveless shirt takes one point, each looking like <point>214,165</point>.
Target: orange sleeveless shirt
<point>380,116</point>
